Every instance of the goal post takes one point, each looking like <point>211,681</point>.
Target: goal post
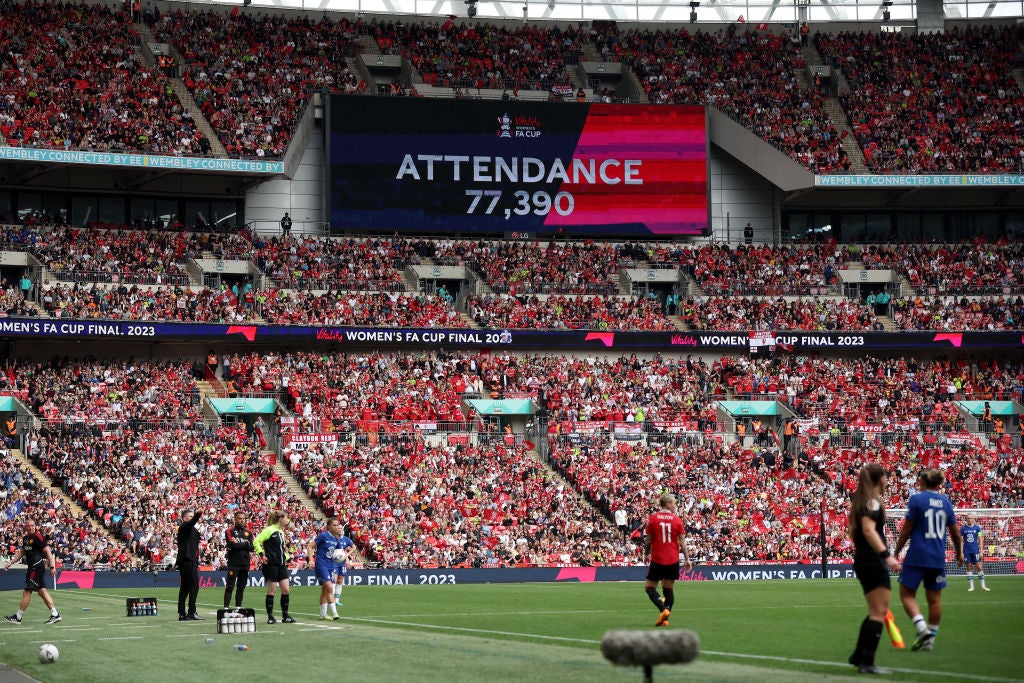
<point>1002,538</point>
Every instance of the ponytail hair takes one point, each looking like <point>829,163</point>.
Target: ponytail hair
<point>868,481</point>
<point>276,516</point>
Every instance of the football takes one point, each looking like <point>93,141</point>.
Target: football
<point>48,653</point>
<point>339,555</point>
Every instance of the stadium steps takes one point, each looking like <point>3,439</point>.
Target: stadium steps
<point>559,479</point>
<point>217,148</point>
<point>889,323</point>
<point>40,476</point>
<point>294,487</point>
<point>835,111</point>
<point>146,36</point>
<point>644,99</point>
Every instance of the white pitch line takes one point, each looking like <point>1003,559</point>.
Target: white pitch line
<point>841,665</point>
<point>124,638</point>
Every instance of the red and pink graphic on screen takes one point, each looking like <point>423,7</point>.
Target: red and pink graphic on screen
<point>671,145</point>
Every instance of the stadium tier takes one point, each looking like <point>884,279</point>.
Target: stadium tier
<point>484,290</point>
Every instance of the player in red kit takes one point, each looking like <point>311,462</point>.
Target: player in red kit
<point>666,538</point>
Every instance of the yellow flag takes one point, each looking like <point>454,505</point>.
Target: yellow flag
<point>894,631</point>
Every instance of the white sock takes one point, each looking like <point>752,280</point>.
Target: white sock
<point>334,610</point>
<point>919,624</point>
<point>54,612</point>
<point>982,577</point>
<point>323,610</point>
<point>933,629</point>
<point>337,593</point>
<point>970,578</point>
<point>21,613</point>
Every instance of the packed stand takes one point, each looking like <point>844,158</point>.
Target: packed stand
<point>761,270</point>
<point>315,263</point>
<point>75,543</point>
<point>410,504</point>
<point>357,391</point>
<point>514,268</point>
<point>130,256</point>
<point>385,309</point>
<point>751,76</point>
<point>134,302</point>
<point>569,312</point>
<point>903,397</point>
<point>951,313</point>
<point>64,89</point>
<point>127,442</point>
<point>138,480</point>
<point>479,55</point>
<point>975,268</point>
<point>252,75</point>
<point>933,102</point>
<point>810,315</point>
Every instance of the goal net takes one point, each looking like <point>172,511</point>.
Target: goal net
<point>1001,543</point>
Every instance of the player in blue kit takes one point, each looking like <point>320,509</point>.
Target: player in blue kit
<point>341,568</point>
<point>929,516</point>
<point>972,552</point>
<point>321,552</point>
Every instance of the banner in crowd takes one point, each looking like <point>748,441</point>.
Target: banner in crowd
<point>361,337</point>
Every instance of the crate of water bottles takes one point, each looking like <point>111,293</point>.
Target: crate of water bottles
<point>141,607</point>
<point>237,620</point>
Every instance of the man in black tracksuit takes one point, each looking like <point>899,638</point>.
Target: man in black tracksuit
<point>239,543</point>
<point>188,564</point>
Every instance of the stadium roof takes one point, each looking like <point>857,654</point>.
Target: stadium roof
<point>650,11</point>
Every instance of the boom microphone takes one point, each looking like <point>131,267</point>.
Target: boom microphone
<point>648,648</point>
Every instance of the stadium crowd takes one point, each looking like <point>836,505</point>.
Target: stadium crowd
<point>568,312</point>
<point>133,451</point>
<point>750,75</point>
<point>819,313</point>
<point>971,268</point>
<point>311,262</point>
<point>934,102</point>
<point>252,75</point>
<point>763,270</point>
<point>75,541</point>
<point>63,89</point>
<point>480,55</point>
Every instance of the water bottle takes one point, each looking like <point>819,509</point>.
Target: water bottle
<point>250,624</point>
<point>222,625</point>
<point>242,648</point>
<point>209,641</point>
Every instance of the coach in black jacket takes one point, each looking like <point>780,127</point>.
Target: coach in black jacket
<point>188,564</point>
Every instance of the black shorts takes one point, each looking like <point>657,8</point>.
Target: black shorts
<point>238,573</point>
<point>35,578</point>
<point>273,572</point>
<point>872,573</point>
<point>663,572</point>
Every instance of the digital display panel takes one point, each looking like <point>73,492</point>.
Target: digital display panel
<point>443,166</point>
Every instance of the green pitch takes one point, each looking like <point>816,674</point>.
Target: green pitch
<point>750,631</point>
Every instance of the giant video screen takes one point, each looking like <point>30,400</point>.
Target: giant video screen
<point>488,167</point>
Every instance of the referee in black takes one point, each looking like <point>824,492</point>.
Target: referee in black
<point>239,543</point>
<point>188,564</point>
